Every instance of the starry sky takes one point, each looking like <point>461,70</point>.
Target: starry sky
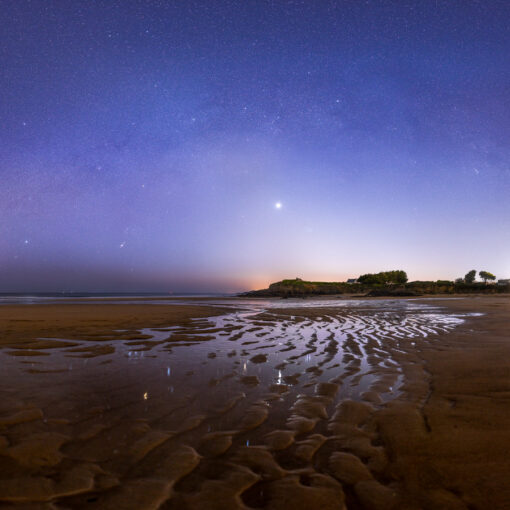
<point>189,146</point>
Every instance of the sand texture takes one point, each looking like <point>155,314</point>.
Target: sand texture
<point>239,404</point>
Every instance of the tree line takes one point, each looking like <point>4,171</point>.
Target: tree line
<point>397,276</point>
<point>470,277</point>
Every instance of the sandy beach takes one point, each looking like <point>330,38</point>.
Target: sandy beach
<point>235,404</point>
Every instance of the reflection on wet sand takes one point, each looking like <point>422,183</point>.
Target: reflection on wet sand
<point>263,406</point>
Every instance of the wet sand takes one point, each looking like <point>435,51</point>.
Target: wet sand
<point>256,404</point>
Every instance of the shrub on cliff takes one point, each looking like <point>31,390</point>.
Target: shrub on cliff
<point>397,276</point>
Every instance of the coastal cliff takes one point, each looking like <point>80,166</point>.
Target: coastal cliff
<point>302,288</point>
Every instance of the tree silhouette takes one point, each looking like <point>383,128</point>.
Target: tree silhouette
<point>470,277</point>
<point>396,276</point>
<point>485,276</point>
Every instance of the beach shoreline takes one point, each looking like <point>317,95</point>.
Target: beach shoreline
<point>439,440</point>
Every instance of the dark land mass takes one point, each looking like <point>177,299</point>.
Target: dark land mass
<point>302,288</point>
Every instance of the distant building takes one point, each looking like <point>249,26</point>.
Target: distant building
<point>505,281</point>
<point>352,280</point>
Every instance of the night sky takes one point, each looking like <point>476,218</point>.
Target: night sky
<point>222,145</point>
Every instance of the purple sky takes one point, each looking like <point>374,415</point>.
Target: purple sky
<point>144,145</point>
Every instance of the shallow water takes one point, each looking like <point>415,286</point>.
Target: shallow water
<point>152,420</point>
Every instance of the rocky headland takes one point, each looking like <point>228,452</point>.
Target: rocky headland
<point>302,288</point>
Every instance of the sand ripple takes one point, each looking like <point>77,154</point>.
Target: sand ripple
<point>266,407</point>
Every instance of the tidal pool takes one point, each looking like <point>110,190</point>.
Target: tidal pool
<point>238,407</point>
